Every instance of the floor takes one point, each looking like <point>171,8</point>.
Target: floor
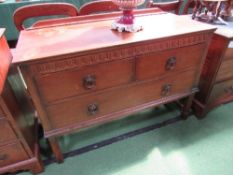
<point>180,147</point>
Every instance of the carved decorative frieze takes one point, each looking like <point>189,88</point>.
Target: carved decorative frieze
<point>120,53</point>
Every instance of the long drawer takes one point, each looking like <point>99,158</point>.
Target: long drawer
<point>6,132</point>
<point>92,106</point>
<point>225,70</point>
<point>12,153</point>
<point>169,61</point>
<point>64,84</point>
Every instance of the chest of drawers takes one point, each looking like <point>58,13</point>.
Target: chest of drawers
<point>18,147</point>
<point>216,82</point>
<point>84,73</point>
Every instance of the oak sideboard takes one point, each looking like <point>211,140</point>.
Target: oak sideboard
<point>82,73</point>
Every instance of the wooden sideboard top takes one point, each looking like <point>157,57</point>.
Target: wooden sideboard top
<point>66,39</point>
<point>5,59</point>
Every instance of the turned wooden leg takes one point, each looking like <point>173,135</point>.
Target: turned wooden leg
<point>56,149</point>
<point>187,106</point>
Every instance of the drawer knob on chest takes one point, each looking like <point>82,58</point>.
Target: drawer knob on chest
<point>166,89</point>
<point>171,63</point>
<point>89,82</point>
<point>3,157</point>
<point>92,109</point>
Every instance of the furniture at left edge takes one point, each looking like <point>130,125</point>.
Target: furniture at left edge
<point>18,138</point>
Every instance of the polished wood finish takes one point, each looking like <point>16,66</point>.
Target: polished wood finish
<point>80,112</point>
<point>44,9</point>
<point>100,6</point>
<point>18,145</point>
<point>84,73</point>
<point>85,80</point>
<point>168,61</point>
<point>12,153</point>
<point>216,83</point>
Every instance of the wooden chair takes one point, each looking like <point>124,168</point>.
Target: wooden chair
<point>188,7</point>
<point>98,6</point>
<point>39,10</point>
<point>166,6</point>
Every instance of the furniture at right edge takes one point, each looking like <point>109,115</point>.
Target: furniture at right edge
<point>19,148</point>
<point>216,82</point>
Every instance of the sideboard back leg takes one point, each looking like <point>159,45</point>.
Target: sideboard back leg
<point>187,106</point>
<point>38,167</point>
<point>56,149</point>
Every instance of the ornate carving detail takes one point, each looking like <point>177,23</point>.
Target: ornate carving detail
<point>120,53</point>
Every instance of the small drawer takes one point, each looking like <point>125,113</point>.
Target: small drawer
<point>169,61</point>
<point>91,78</point>
<point>6,133</point>
<point>225,70</point>
<point>12,153</point>
<point>224,89</point>
<point>90,107</point>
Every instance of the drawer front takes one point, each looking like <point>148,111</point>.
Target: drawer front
<point>222,89</point>
<point>228,53</point>
<point>6,133</point>
<point>90,107</point>
<point>91,78</point>
<point>157,64</point>
<point>225,70</point>
<point>12,153</point>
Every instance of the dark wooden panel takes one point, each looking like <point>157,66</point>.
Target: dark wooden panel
<point>12,153</point>
<point>225,70</point>
<point>87,79</point>
<point>223,89</point>
<point>82,109</point>
<point>169,61</point>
